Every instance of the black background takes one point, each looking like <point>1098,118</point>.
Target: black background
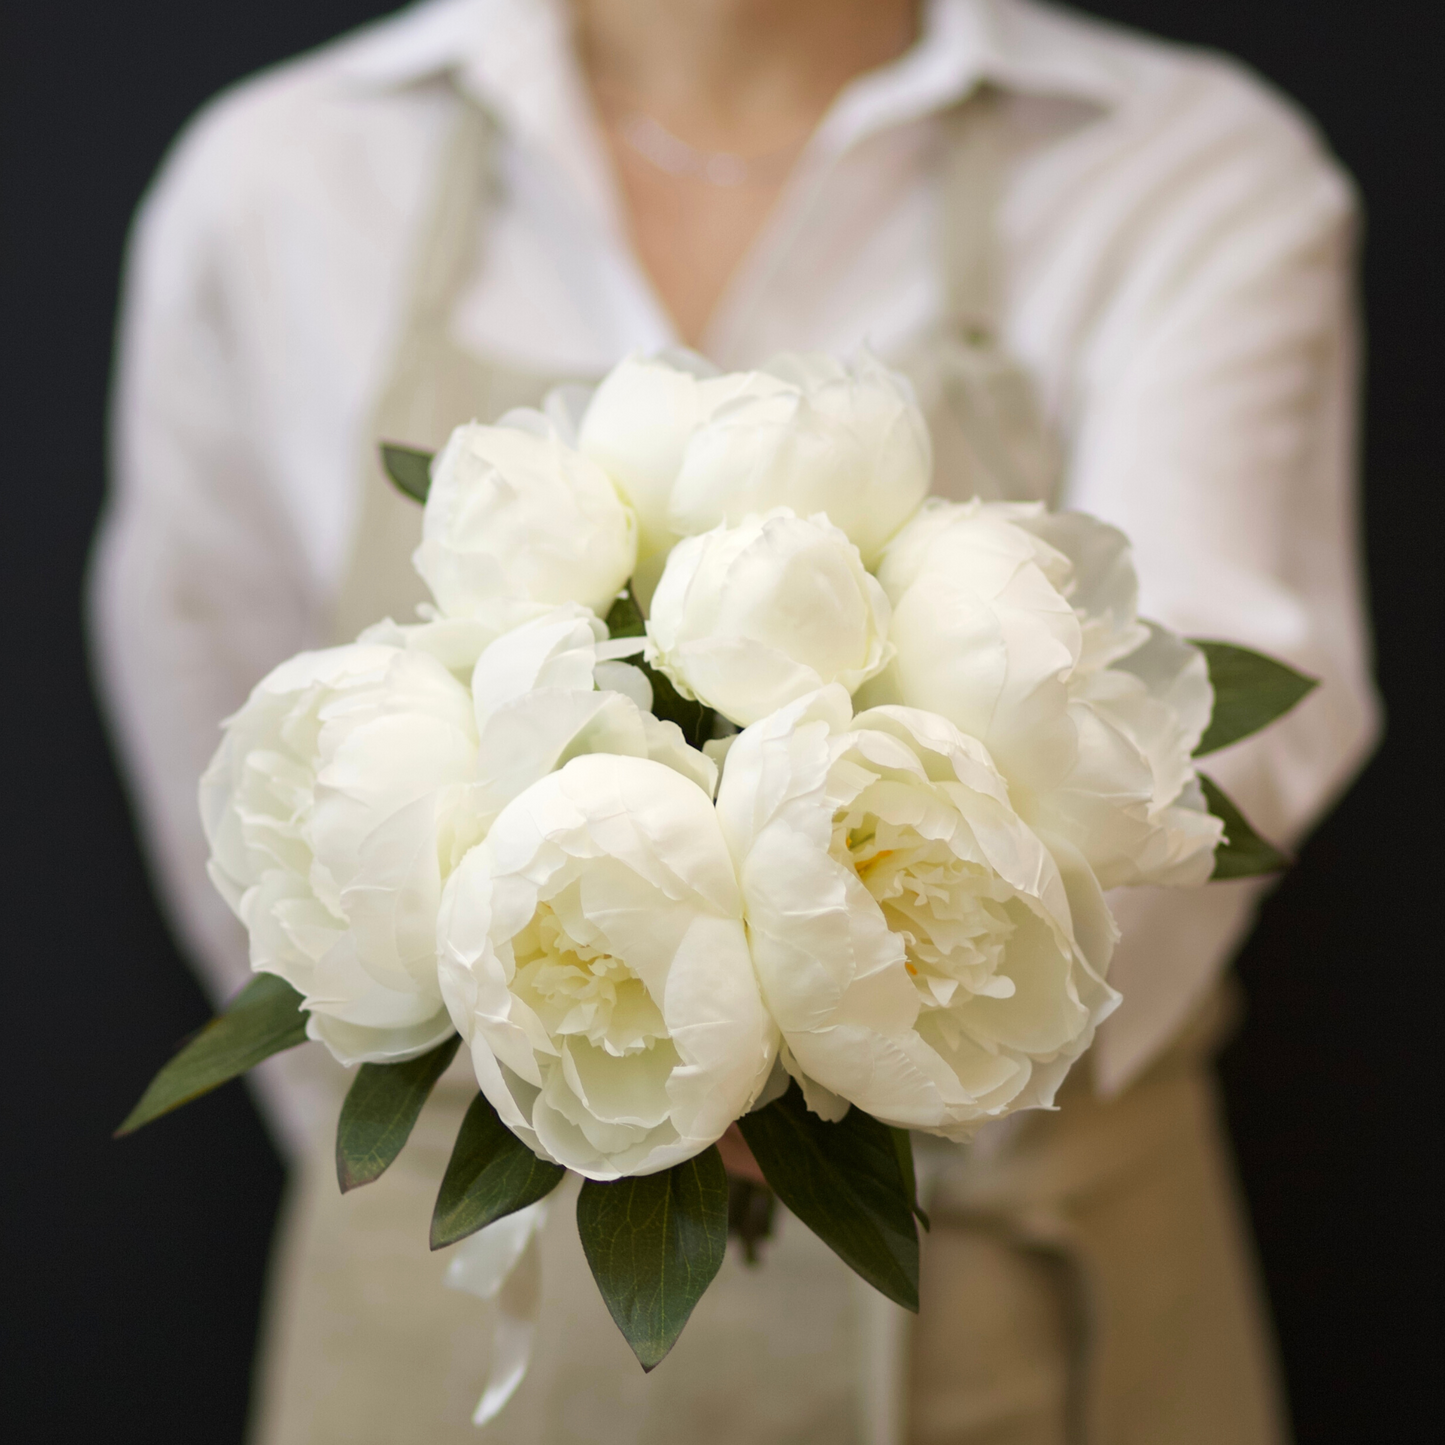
<point>134,1269</point>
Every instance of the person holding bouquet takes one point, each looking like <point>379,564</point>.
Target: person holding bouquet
<point>1117,276</point>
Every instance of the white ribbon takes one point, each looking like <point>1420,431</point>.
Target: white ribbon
<point>881,1364</point>
<point>503,1263</point>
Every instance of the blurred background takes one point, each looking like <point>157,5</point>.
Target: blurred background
<point>134,1271</point>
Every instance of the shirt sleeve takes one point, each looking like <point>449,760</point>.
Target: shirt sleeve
<point>1218,428</point>
<point>196,587</point>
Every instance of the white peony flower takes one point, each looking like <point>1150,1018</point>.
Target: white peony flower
<point>354,780</point>
<point>689,446</point>
<point>815,434</point>
<point>332,813</point>
<point>593,955</point>
<point>1021,627</point>
<point>748,618</point>
<point>638,424</point>
<point>542,697</point>
<point>922,951</point>
<point>517,521</point>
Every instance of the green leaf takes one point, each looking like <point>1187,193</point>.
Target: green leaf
<point>624,618</point>
<point>845,1181</point>
<point>381,1107</point>
<point>695,719</point>
<point>409,469</point>
<point>261,1020</point>
<point>1250,691</point>
<point>491,1174</point>
<point>655,1243</point>
<point>1243,854</point>
<point>903,1147</point>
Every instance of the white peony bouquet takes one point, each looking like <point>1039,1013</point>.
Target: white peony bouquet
<point>730,780</point>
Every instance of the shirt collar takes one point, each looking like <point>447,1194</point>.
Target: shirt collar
<point>514,56</point>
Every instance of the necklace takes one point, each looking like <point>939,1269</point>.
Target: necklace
<point>671,154</point>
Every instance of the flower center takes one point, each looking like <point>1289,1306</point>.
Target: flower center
<point>578,988</point>
<point>951,914</point>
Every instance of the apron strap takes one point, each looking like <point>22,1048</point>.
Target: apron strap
<point>464,192</point>
<point>434,385</point>
<point>990,436</point>
<point>971,184</point>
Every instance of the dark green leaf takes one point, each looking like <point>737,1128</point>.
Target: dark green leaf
<point>491,1174</point>
<point>409,469</point>
<point>261,1020</point>
<point>695,720</point>
<point>903,1147</point>
<point>381,1107</point>
<point>845,1181</point>
<point>655,1242</point>
<point>624,619</point>
<point>698,722</point>
<point>1244,853</point>
<point>1250,690</point>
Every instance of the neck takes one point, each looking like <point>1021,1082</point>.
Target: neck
<point>735,67</point>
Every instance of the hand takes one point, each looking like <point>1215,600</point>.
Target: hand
<point>738,1158</point>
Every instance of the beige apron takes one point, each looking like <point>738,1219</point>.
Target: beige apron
<point>1086,1280</point>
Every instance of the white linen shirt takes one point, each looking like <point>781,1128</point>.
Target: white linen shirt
<point>1178,280</point>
